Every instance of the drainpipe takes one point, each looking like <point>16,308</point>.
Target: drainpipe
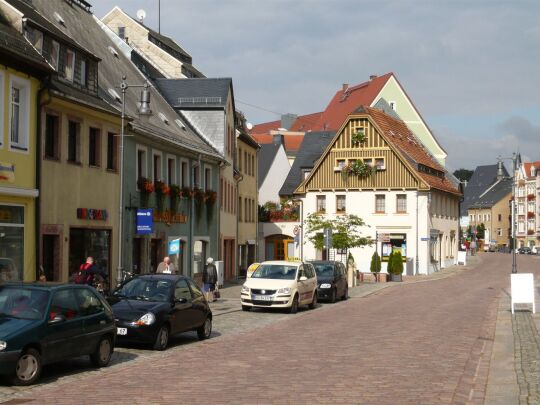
<point>238,226</point>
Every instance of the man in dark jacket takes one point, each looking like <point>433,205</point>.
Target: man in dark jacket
<point>209,278</point>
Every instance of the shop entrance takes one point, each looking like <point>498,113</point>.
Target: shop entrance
<point>51,256</point>
<point>156,254</point>
<point>279,247</point>
<point>84,242</point>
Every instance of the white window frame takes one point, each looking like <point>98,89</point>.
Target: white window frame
<point>23,85</point>
<point>145,166</point>
<point>174,176</point>
<point>160,169</point>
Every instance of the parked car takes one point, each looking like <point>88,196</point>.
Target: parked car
<point>331,280</point>
<point>42,323</point>
<point>152,307</point>
<point>535,250</point>
<point>280,284</point>
<point>524,250</point>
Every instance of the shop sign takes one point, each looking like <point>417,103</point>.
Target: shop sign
<point>168,218</point>
<point>383,237</point>
<point>174,246</point>
<point>7,172</point>
<point>145,224</point>
<point>92,214</point>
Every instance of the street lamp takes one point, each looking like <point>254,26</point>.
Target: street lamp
<point>144,109</point>
<point>513,207</point>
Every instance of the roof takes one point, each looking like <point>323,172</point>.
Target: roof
<point>527,169</point>
<point>291,142</point>
<point>196,93</point>
<point>93,35</point>
<point>246,138</point>
<point>482,178</point>
<point>266,157</point>
<point>313,146</point>
<point>303,123</point>
<point>499,190</point>
<point>76,95</point>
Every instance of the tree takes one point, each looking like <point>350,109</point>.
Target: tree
<point>480,231</point>
<point>397,265</point>
<point>346,231</point>
<point>375,263</point>
<point>463,174</point>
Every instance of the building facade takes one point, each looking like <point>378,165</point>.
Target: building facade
<point>526,204</point>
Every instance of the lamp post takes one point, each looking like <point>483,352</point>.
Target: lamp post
<point>144,109</point>
<point>513,208</point>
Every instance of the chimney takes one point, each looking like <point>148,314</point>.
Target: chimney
<point>287,120</point>
<point>500,172</point>
<point>372,77</point>
<point>277,139</point>
<point>344,87</point>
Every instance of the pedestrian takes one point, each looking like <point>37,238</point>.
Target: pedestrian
<point>86,272</point>
<point>473,247</point>
<point>209,279</point>
<point>166,266</point>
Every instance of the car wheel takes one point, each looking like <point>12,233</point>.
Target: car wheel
<point>313,304</point>
<point>246,308</point>
<point>162,338</point>
<point>294,306</point>
<point>103,353</point>
<point>205,330</point>
<point>28,368</point>
<point>333,295</point>
<point>345,294</point>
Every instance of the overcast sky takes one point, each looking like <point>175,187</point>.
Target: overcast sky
<point>471,67</point>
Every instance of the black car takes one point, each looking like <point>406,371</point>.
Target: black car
<point>42,323</point>
<point>525,250</point>
<point>150,308</point>
<point>332,280</point>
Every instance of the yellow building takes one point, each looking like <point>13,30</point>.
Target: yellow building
<point>21,71</point>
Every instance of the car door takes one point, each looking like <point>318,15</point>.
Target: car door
<point>64,338</point>
<point>183,314</point>
<point>200,307</point>
<point>312,281</point>
<point>303,285</point>
<point>94,318</point>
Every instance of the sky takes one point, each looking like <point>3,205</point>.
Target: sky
<point>470,66</point>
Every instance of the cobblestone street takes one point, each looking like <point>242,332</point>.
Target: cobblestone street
<point>410,343</point>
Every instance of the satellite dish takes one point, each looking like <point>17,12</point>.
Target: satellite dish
<point>141,15</point>
<point>249,125</point>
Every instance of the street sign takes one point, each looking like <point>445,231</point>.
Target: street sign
<point>145,222</point>
<point>174,247</point>
<point>383,237</point>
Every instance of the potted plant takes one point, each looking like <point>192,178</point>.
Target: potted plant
<point>375,266</point>
<point>175,194</point>
<point>359,137</point>
<point>146,187</point>
<point>210,197</point>
<point>396,268</point>
<point>199,197</point>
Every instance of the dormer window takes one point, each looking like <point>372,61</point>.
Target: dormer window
<point>35,37</point>
<point>69,64</point>
<point>55,54</point>
<point>163,118</point>
<point>82,75</point>
<point>122,32</point>
<point>113,51</point>
<point>59,19</point>
<point>115,95</point>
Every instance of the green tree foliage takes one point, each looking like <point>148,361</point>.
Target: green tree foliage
<point>397,265</point>
<point>480,231</point>
<point>346,231</point>
<point>463,174</point>
<point>375,263</point>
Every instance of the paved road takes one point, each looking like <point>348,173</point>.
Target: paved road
<point>421,343</point>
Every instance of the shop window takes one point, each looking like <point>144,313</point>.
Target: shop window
<point>401,203</point>
<point>321,204</point>
<point>11,243</point>
<point>111,151</point>
<point>69,64</point>
<point>340,204</point>
<point>94,147</point>
<point>19,114</point>
<point>380,204</point>
<point>84,242</point>
<point>398,242</point>
<point>73,142</point>
<point>52,136</point>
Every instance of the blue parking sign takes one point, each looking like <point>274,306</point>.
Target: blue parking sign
<point>145,221</point>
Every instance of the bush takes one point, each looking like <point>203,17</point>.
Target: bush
<point>375,263</point>
<point>397,265</point>
<point>389,268</point>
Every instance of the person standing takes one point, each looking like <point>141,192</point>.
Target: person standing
<point>209,278</point>
<point>86,272</point>
<point>166,266</point>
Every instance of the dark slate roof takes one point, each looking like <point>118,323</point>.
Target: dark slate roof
<point>195,92</point>
<point>313,146</point>
<point>168,42</point>
<point>482,178</point>
<point>18,49</point>
<point>267,154</point>
<point>494,194</point>
<point>76,95</point>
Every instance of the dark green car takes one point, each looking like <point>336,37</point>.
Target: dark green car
<point>41,323</point>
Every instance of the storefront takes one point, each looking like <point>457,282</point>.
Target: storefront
<point>393,242</point>
<point>11,242</point>
<point>84,242</point>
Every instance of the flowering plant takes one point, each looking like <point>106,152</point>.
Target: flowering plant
<point>145,185</point>
<point>161,188</point>
<point>175,191</point>
<point>358,168</point>
<point>187,193</point>
<point>359,137</point>
<point>210,197</point>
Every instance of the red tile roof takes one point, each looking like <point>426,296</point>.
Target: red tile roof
<point>303,123</point>
<point>265,127</point>
<point>399,135</point>
<point>291,142</point>
<point>527,168</point>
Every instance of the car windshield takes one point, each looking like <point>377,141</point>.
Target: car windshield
<point>275,271</point>
<point>324,270</point>
<point>146,289</point>
<point>23,303</point>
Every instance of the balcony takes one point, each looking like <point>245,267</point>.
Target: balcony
<point>272,212</point>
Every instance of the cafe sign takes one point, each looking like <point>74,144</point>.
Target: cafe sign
<point>92,214</point>
<point>7,172</point>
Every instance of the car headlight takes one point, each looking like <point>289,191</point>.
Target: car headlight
<point>3,345</point>
<point>245,289</point>
<point>286,290</point>
<point>147,319</point>
<point>326,285</point>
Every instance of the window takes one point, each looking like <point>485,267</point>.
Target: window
<point>368,162</point>
<point>197,293</point>
<point>246,161</point>
<point>35,37</point>
<point>73,141</point>
<point>196,176</point>
<point>240,159</point>
<point>94,147</point>
<point>51,136</point>
<point>340,204</point>
<point>184,174</point>
<point>64,303</point>
<point>380,203</point>
<point>392,105</point>
<point>156,167</point>
<point>55,54</point>
<point>111,151</point>
<point>379,163</point>
<point>499,217</point>
<point>181,291</point>
<point>246,210</point>
<point>499,232</point>
<point>122,32</point>
<point>69,64</point>
<point>321,203</point>
<point>240,209</point>
<point>12,242</point>
<point>82,73</point>
<point>207,179</point>
<point>141,163</point>
<point>19,114</point>
<point>401,203</point>
<point>340,164</point>
<point>171,170</point>
<point>89,303</point>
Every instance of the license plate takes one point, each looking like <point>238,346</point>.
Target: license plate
<point>262,298</point>
<point>121,331</point>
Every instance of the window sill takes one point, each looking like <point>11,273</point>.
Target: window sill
<point>74,163</point>
<point>379,213</point>
<point>341,213</point>
<point>94,166</point>
<point>51,159</point>
<point>401,213</point>
<point>111,170</point>
<point>18,148</point>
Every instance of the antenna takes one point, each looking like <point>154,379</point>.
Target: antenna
<point>141,15</point>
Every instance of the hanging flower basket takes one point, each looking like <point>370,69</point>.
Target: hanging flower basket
<point>146,188</point>
<point>357,168</point>
<point>162,190</point>
<point>359,137</point>
<point>187,193</point>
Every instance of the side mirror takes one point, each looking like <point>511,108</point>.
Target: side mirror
<point>302,278</point>
<point>58,318</point>
<point>180,300</point>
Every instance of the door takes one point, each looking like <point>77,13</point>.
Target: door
<point>51,253</point>
<point>303,286</point>
<point>64,339</point>
<point>199,304</point>
<point>94,318</point>
<point>183,315</point>
<point>155,254</point>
